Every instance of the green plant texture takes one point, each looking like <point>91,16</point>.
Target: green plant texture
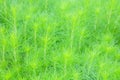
<point>59,39</point>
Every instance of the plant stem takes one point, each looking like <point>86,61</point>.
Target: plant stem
<point>15,55</point>
<point>35,37</point>
<point>15,32</point>
<point>25,31</point>
<point>71,39</point>
<point>54,68</point>
<point>3,53</point>
<point>45,46</point>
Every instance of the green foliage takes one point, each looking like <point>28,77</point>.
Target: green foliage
<point>59,39</point>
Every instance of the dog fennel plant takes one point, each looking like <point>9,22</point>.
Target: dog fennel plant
<point>59,40</point>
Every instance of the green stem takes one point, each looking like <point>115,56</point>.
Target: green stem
<point>45,47</point>
<point>15,55</point>
<point>54,68</point>
<point>71,40</point>
<point>3,53</point>
<point>15,31</point>
<point>25,32</point>
<point>35,37</point>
